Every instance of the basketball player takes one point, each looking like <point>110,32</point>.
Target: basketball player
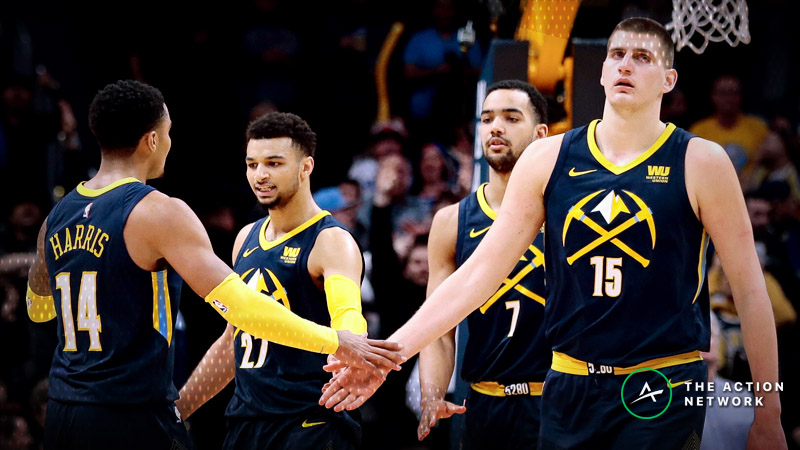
<point>311,264</point>
<point>506,356</point>
<point>629,204</point>
<point>112,254</point>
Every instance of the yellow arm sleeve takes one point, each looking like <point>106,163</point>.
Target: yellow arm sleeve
<point>344,304</point>
<point>267,319</point>
<point>40,308</point>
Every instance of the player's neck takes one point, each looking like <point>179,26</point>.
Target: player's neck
<point>624,135</point>
<point>294,213</point>
<point>112,170</point>
<point>496,189</point>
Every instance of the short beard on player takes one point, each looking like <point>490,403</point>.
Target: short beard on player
<point>273,204</point>
<point>501,163</point>
<point>283,198</point>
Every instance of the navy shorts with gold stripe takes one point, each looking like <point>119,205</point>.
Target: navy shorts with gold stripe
<point>324,432</point>
<point>631,408</point>
<point>510,422</point>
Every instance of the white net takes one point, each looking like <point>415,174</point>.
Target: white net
<point>695,23</point>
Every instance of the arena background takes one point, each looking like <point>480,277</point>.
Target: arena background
<point>220,64</point>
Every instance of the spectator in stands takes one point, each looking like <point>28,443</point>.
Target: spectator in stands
<point>774,163</point>
<point>438,70</point>
<point>738,133</point>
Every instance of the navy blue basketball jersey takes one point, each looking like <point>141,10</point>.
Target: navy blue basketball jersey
<point>115,320</point>
<point>506,340</point>
<point>273,379</point>
<point>625,253</point>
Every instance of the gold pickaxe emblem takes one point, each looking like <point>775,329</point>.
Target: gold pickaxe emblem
<point>509,283</point>
<point>577,213</point>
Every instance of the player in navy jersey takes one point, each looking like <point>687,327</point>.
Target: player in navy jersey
<point>310,263</point>
<point>630,203</point>
<point>506,356</point>
<point>107,265</point>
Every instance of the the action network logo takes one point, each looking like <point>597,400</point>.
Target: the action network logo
<point>646,393</point>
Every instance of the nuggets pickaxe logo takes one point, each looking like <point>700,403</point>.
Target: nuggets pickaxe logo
<point>512,282</point>
<point>258,282</point>
<point>610,207</point>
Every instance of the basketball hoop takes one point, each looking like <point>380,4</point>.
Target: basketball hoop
<point>700,21</point>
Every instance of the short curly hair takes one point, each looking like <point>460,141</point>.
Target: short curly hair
<point>281,124</point>
<point>122,112</point>
<point>538,102</point>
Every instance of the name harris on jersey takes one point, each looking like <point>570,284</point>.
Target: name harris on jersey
<point>79,237</point>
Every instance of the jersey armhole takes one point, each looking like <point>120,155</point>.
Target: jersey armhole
<point>461,220</point>
<point>557,169</point>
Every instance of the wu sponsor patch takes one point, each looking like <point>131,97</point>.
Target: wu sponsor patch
<point>658,174</point>
<point>290,254</point>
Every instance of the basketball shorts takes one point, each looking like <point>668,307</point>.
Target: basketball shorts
<point>501,422</point>
<point>647,409</point>
<point>83,426</point>
<point>340,431</point>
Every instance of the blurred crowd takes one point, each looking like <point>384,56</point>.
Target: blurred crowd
<point>384,179</point>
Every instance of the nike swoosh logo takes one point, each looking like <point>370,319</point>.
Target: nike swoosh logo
<point>474,234</point>
<point>307,424</point>
<point>678,384</point>
<point>247,252</point>
<point>572,172</point>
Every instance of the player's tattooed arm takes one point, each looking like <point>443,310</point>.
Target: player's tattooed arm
<point>39,298</point>
<point>38,279</point>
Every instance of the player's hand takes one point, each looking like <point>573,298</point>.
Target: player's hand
<point>432,411</point>
<point>766,434</point>
<point>351,388</point>
<point>368,354</point>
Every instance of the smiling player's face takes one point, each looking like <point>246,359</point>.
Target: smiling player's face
<point>273,170</point>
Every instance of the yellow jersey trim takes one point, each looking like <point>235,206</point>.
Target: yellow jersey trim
<point>266,245</point>
<point>701,265</point>
<point>88,192</point>
<point>498,390</point>
<point>162,288</point>
<point>483,203</point>
<point>615,169</point>
<point>566,364</point>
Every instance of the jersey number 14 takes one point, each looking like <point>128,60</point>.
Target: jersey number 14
<point>88,319</point>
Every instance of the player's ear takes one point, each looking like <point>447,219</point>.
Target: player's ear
<point>307,165</point>
<point>541,130</point>
<point>149,141</point>
<point>670,79</point>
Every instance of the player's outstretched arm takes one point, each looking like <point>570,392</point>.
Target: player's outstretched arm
<point>163,228</point>
<point>717,198</point>
<point>211,375</point>
<point>436,361</point>
<point>336,260</point>
<point>520,218</point>
<point>39,298</point>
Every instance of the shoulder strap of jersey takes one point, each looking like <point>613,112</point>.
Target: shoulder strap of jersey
<point>332,222</point>
<point>563,152</point>
<point>132,194</point>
